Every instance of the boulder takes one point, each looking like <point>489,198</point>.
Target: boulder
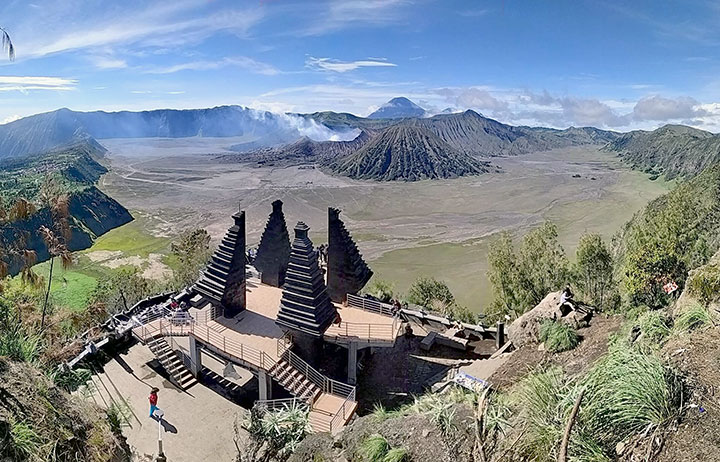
<point>525,328</point>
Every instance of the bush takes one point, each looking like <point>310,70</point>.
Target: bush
<point>427,292</point>
<point>705,283</point>
<point>396,455</point>
<point>558,336</point>
<point>694,317</point>
<point>628,391</point>
<point>24,441</point>
<point>382,290</point>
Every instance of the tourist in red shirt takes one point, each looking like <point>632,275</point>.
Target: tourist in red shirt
<point>153,400</point>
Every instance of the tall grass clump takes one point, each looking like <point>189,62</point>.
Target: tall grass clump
<point>541,403</point>
<point>558,336</point>
<point>627,391</point>
<point>374,448</point>
<point>24,441</point>
<point>15,344</point>
<point>396,455</point>
<point>654,326</point>
<point>694,317</point>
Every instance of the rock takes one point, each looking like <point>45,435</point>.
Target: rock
<point>425,433</point>
<point>525,328</point>
<point>620,448</point>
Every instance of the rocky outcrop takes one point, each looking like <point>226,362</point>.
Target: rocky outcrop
<point>273,253</point>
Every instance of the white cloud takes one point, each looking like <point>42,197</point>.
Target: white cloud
<point>256,67</point>
<point>334,65</point>
<point>354,13</point>
<point>26,83</point>
<point>9,119</point>
<point>105,62</point>
<point>659,108</point>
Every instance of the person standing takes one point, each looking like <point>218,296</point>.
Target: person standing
<point>153,400</point>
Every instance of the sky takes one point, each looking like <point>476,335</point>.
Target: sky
<point>611,64</point>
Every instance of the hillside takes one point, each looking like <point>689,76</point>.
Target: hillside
<point>41,132</point>
<point>398,108</point>
<point>672,150</point>
<point>301,152</point>
<point>476,135</point>
<point>407,153</point>
<point>76,170</point>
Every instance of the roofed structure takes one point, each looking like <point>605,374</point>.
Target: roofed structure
<point>305,305</point>
<point>273,254</point>
<point>223,281</point>
<point>347,271</point>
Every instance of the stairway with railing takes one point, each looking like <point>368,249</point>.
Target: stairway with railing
<point>331,403</point>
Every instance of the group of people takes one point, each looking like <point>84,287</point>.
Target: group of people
<point>322,252</point>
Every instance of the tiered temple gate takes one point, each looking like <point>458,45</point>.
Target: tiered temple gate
<point>223,281</point>
<point>305,306</point>
<point>347,271</point>
<point>273,254</point>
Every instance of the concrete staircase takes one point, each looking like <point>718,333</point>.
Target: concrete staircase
<point>294,381</point>
<point>169,359</point>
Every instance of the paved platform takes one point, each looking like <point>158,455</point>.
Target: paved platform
<point>198,423</point>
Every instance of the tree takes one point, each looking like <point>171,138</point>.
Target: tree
<point>504,278</point>
<point>521,280</point>
<point>193,252</point>
<point>57,235</point>
<point>123,289</point>
<point>7,44</point>
<point>429,292</point>
<point>593,270</point>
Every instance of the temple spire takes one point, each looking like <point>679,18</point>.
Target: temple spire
<point>347,272</point>
<point>223,281</point>
<point>305,305</point>
<point>273,254</point>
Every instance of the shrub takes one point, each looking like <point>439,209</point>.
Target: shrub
<point>382,290</point>
<point>628,391</point>
<point>374,448</point>
<point>694,317</point>
<point>558,336</point>
<point>70,380</point>
<point>705,283</point>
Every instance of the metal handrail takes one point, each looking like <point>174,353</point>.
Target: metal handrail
<point>370,332</point>
<point>366,304</point>
<point>281,404</point>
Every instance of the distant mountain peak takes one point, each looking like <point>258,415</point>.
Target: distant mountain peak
<point>398,108</point>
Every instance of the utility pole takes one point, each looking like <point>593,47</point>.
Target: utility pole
<point>161,456</point>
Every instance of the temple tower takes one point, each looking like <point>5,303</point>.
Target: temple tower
<point>223,281</point>
<point>305,305</point>
<point>273,254</point>
<point>347,272</point>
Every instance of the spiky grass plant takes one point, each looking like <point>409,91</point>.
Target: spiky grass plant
<point>24,441</point>
<point>374,448</point>
<point>558,336</point>
<point>396,455</point>
<point>627,391</point>
<point>654,326</point>
<point>694,317</point>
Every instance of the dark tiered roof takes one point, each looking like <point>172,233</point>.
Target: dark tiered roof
<point>347,271</point>
<point>223,281</point>
<point>305,305</point>
<point>273,254</point>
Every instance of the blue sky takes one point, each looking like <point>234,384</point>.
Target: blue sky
<point>612,64</point>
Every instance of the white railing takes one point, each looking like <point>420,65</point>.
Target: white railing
<point>366,304</point>
<point>274,405</point>
<point>367,332</point>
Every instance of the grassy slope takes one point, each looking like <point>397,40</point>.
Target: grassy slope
<point>72,287</point>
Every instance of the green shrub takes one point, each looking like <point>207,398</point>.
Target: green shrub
<point>558,336</point>
<point>374,448</point>
<point>396,455</point>
<point>71,379</point>
<point>16,345</point>
<point>628,391</point>
<point>382,290</point>
<point>705,283</point>
<point>694,317</point>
